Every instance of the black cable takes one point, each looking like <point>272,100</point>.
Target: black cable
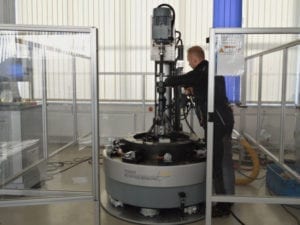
<point>237,219</point>
<point>76,160</point>
<point>185,113</point>
<point>188,108</point>
<point>151,128</point>
<point>288,211</point>
<point>173,11</point>
<point>75,164</point>
<point>168,119</point>
<point>187,123</point>
<point>179,38</point>
<point>53,166</point>
<point>258,178</point>
<point>291,214</point>
<point>293,207</point>
<point>178,32</point>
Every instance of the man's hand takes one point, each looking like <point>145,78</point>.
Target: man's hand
<point>188,91</point>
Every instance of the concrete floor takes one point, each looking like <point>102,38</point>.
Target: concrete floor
<point>78,178</point>
<point>83,213</point>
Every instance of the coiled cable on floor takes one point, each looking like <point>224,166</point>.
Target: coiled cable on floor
<point>255,160</point>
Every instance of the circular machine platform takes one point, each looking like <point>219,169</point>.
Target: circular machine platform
<point>144,187</point>
<point>166,217</point>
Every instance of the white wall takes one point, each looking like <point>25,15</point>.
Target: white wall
<point>119,120</point>
<point>115,121</point>
<point>124,34</point>
<point>7,11</point>
<point>271,13</point>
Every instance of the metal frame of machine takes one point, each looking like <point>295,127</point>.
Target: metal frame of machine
<point>149,170</point>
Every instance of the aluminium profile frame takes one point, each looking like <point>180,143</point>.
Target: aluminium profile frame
<point>211,84</point>
<point>95,196</point>
<point>279,160</point>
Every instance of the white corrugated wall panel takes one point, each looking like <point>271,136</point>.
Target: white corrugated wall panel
<point>125,32</point>
<point>271,13</point>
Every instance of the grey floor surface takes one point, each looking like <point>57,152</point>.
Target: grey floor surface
<point>78,178</point>
<point>80,213</point>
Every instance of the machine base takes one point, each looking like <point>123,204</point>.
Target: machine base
<point>166,216</point>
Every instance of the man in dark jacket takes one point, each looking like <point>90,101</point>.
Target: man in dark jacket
<point>197,79</point>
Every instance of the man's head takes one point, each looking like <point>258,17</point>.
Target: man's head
<point>195,56</point>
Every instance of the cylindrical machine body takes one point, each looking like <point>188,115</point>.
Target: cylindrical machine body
<point>151,174</point>
<point>152,186</point>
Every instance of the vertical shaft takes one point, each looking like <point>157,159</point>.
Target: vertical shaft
<point>161,93</point>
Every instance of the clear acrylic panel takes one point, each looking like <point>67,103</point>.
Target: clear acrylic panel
<point>46,122</point>
<point>251,85</point>
<point>272,77</point>
<point>292,112</point>
<point>258,169</point>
